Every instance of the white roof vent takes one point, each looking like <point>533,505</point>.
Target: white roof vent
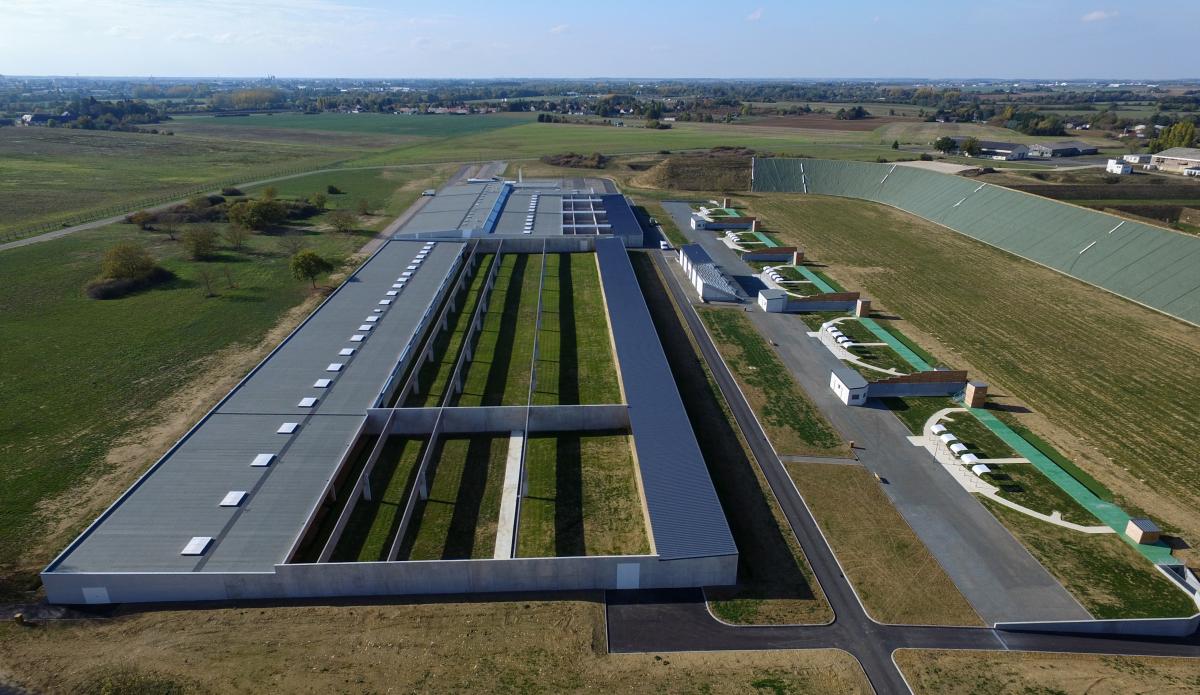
<point>233,498</point>
<point>287,428</point>
<point>371,319</point>
<point>322,383</point>
<point>334,367</point>
<point>307,402</point>
<point>392,293</point>
<point>262,460</point>
<point>366,326</point>
<point>197,545</point>
<point>346,352</point>
<point>385,302</point>
<point>357,338</point>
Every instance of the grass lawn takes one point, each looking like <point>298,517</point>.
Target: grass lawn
<point>882,357</point>
<point>373,523</point>
<point>961,672</point>
<point>1068,360</point>
<point>815,319</point>
<point>110,363</point>
<point>775,583</point>
<point>792,422</point>
<point>1110,579</point>
<point>427,126</point>
<point>582,499</point>
<point>443,645</point>
<point>52,175</point>
<point>891,569</point>
<point>915,412</point>
<point>575,359</point>
<point>503,354</point>
<point>435,375</point>
<point>1025,485</point>
<point>458,519</point>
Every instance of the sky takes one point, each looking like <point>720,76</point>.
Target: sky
<point>1031,39</point>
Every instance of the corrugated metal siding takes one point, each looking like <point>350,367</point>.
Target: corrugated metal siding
<point>1148,264</point>
<point>685,514</point>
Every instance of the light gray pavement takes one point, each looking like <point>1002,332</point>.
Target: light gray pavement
<point>996,574</point>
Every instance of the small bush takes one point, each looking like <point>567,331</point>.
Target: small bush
<point>333,190</point>
<point>200,242</point>
<point>231,192</point>
<point>126,261</point>
<point>926,157</point>
<point>115,288</point>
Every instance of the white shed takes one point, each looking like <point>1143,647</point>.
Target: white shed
<point>980,469</point>
<point>958,448</point>
<point>969,459</point>
<point>938,428</point>
<point>948,437</point>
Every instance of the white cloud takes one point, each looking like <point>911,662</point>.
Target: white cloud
<point>559,28</point>
<point>1099,15</point>
<point>755,15</point>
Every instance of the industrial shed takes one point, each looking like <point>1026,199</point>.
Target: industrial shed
<point>704,275</point>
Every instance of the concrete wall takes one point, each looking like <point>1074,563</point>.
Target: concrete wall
<point>396,578</point>
<point>533,244</point>
<point>882,389</point>
<point>798,305</point>
<point>1154,627</point>
<point>505,418</point>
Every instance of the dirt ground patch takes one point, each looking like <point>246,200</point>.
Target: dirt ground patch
<point>892,571</point>
<point>948,672</point>
<point>517,646</point>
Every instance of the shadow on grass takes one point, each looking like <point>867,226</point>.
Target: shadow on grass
<point>460,538</point>
<point>501,358</point>
<point>568,355</point>
<point>767,567</point>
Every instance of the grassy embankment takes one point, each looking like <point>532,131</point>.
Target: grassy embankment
<point>776,584</point>
<point>987,310</point>
<point>793,423</point>
<point>891,569</point>
<point>113,364</point>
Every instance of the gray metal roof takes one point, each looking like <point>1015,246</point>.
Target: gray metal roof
<point>695,253</point>
<point>1190,153</point>
<point>685,514</point>
<point>180,497</point>
<point>849,377</point>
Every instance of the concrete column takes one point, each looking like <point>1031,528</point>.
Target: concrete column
<point>754,225</point>
<point>862,307</point>
<point>366,491</point>
<point>725,203</point>
<point>975,395</point>
<point>797,257</point>
<point>422,487</point>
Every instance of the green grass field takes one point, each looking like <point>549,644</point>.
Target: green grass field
<point>1025,485</point>
<point>792,422</point>
<point>582,499</point>
<point>1090,401</point>
<point>388,192</point>
<point>435,375</point>
<point>53,175</point>
<point>373,523</point>
<point>775,583</point>
<point>432,126</point>
<point>503,354</point>
<point>458,519</point>
<point>1108,577</point>
<point>575,360</point>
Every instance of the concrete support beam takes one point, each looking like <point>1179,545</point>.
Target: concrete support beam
<point>510,497</point>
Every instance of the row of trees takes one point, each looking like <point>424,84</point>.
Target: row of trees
<point>1181,134</point>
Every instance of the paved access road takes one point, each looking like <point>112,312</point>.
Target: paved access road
<point>996,574</point>
<point>649,621</point>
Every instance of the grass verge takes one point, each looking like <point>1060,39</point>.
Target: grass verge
<point>775,583</point>
<point>792,422</point>
<point>1108,577</point>
<point>948,672</point>
<point>891,569</point>
<point>582,499</point>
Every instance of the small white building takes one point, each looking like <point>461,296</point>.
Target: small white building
<point>1118,166</point>
<point>1137,158</point>
<point>848,385</point>
<point>774,301</point>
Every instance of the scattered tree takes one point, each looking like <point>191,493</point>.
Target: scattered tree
<point>270,193</point>
<point>257,214</point>
<point>319,199</point>
<point>126,261</point>
<point>343,221</point>
<point>229,281</point>
<point>945,144</point>
<point>1182,134</point>
<point>291,243</point>
<point>970,147</point>
<point>895,144</point>
<point>206,277</point>
<point>333,190</point>
<point>363,207</point>
<point>231,192</point>
<point>200,242</point>
<point>236,236</point>
<point>307,265</point>
<point>198,202</point>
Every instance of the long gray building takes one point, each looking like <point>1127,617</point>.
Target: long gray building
<point>225,512</point>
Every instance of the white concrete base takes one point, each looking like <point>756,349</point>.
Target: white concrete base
<point>510,495</point>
